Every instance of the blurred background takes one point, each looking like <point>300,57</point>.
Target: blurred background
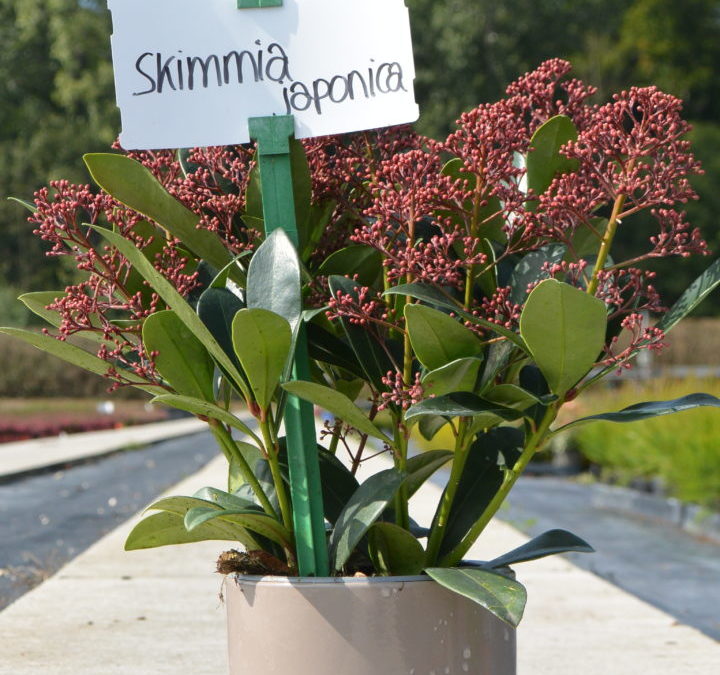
<point>57,102</point>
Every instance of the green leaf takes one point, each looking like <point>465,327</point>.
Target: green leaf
<point>336,403</point>
<point>564,330</point>
<point>262,342</point>
<point>512,396</point>
<point>253,521</point>
<point>314,228</point>
<point>74,355</point>
<point>365,506</point>
<point>544,160</point>
<point>225,500</point>
<point>37,302</point>
<point>370,354</point>
<point>217,308</point>
<point>30,207</point>
<point>429,425</point>
<point>252,455</point>
<point>692,297</point>
<point>432,296</point>
<point>181,358</point>
<point>586,240</point>
<point>394,551</point>
<point>438,339</point>
<point>363,261</point>
<point>459,375</point>
<point>530,269</point>
<point>274,278</point>
<point>482,476</point>
<point>422,466</point>
<point>175,302</point>
<point>503,597</point>
<point>338,484</point>
<point>460,404</point>
<point>131,183</point>
<point>326,347</point>
<point>643,411</point>
<point>168,529</point>
<point>548,543</point>
<point>203,408</point>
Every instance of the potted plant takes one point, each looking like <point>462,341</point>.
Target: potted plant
<point>468,285</point>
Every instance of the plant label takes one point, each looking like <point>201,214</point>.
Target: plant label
<point>192,72</point>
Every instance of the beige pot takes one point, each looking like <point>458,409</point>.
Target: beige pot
<point>349,626</point>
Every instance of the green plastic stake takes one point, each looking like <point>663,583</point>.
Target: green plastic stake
<point>250,4</point>
<point>273,149</point>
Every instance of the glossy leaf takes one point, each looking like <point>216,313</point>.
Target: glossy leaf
<point>564,330</point>
<point>459,375</point>
<point>362,510</point>
<point>273,280</point>
<point>326,347</point>
<point>530,269</point>
<point>482,476</point>
<point>548,543</point>
<point>131,183</point>
<point>500,595</point>
<point>544,160</point>
<point>168,529</point>
<point>37,302</point>
<point>422,466</point>
<point>394,551</point>
<point>432,296</point>
<point>338,484</point>
<point>460,404</point>
<point>251,454</point>
<point>692,297</point>
<point>224,500</point>
<point>72,354</point>
<point>203,409</point>
<point>217,308</point>
<point>643,411</point>
<point>429,425</point>
<point>262,342</point>
<point>181,358</point>
<point>176,302</point>
<point>336,403</point>
<point>253,521</point>
<point>363,261</point>
<point>512,396</point>
<point>438,339</point>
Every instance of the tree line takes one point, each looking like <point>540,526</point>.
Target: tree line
<point>57,97</point>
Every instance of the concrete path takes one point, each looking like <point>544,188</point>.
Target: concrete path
<point>25,456</point>
<point>159,611</point>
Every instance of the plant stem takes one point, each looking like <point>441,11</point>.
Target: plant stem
<point>402,514</point>
<point>272,455</point>
<point>437,530</point>
<point>607,241</point>
<point>535,443</point>
<point>226,441</point>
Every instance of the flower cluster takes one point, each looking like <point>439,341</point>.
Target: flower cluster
<point>455,215</point>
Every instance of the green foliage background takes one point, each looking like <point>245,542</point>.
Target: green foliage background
<point>57,98</point>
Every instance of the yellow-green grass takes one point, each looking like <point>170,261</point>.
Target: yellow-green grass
<point>682,449</point>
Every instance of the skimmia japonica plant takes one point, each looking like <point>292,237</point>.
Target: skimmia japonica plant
<point>469,284</point>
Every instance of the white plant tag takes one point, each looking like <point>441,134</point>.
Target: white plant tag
<point>192,72</point>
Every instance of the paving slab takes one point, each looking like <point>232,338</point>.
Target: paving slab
<point>43,453</point>
<point>158,611</point>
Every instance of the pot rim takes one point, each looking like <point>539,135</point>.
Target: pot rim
<point>327,581</point>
